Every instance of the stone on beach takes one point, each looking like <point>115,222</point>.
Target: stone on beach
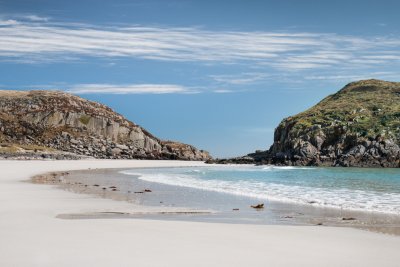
<point>348,219</point>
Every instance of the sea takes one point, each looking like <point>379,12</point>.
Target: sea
<point>355,189</point>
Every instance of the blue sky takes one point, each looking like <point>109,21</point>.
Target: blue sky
<point>216,74</point>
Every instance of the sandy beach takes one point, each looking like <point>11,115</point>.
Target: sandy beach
<point>32,235</point>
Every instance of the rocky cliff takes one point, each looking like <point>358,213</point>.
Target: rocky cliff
<point>57,121</point>
<point>358,126</point>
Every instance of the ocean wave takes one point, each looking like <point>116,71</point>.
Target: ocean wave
<point>339,198</point>
<point>272,167</point>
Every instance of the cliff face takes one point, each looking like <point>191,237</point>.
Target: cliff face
<point>357,126</point>
<point>69,123</point>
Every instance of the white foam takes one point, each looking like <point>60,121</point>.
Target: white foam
<point>271,167</point>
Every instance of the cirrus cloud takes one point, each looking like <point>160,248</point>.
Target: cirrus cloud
<point>40,40</point>
<point>130,89</point>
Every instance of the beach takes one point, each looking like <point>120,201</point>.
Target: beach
<point>33,234</point>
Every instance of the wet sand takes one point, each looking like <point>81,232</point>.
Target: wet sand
<point>206,206</point>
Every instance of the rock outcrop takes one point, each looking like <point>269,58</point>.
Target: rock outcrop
<point>177,150</point>
<point>358,126</point>
<point>64,122</point>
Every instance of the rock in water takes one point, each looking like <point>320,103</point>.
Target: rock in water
<point>47,122</point>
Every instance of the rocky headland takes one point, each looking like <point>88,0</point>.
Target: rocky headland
<point>53,124</point>
<point>359,126</point>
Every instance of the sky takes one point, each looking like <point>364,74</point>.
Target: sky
<point>219,75</point>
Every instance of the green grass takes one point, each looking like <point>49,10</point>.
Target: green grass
<point>15,148</point>
<point>84,119</point>
<point>367,109</point>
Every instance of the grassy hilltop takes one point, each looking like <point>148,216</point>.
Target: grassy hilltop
<point>366,109</point>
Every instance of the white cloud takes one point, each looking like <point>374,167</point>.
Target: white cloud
<point>222,91</point>
<point>35,18</point>
<point>8,22</point>
<point>129,89</point>
<point>394,56</point>
<point>39,40</point>
<point>353,77</point>
<point>241,78</point>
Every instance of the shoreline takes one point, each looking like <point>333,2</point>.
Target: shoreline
<point>32,235</point>
<point>199,205</point>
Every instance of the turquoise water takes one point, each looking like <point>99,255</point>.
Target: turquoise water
<point>374,190</point>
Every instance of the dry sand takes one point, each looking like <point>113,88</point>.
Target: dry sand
<point>31,235</point>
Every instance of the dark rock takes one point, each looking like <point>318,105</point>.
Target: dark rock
<point>348,219</point>
<point>258,206</point>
